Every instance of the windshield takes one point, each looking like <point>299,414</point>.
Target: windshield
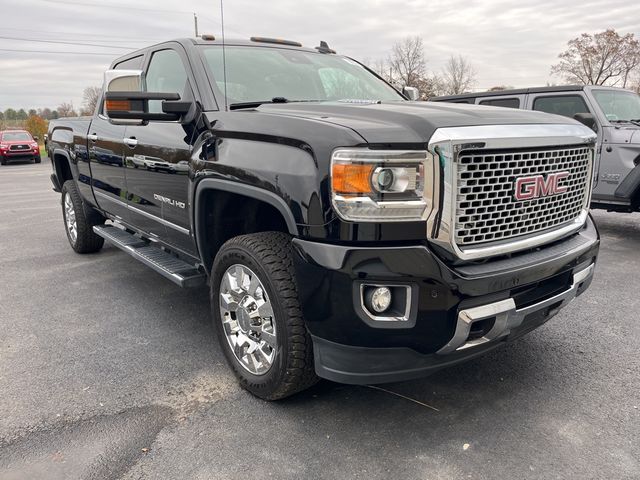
<point>260,74</point>
<point>618,105</point>
<point>16,137</point>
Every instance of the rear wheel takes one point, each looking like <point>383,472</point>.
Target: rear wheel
<point>79,221</point>
<point>257,316</point>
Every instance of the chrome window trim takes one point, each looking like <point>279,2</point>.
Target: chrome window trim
<point>446,144</point>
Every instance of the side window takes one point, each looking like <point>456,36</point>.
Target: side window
<point>470,100</point>
<point>566,105</point>
<point>166,74</point>
<point>134,63</point>
<point>502,102</point>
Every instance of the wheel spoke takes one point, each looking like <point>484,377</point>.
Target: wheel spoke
<point>240,277</point>
<point>269,338</point>
<point>265,310</point>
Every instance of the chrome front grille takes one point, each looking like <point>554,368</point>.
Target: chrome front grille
<point>486,209</point>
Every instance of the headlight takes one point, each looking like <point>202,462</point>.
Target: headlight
<point>379,185</point>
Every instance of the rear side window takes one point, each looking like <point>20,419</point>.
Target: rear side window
<point>502,102</point>
<point>565,105</point>
<point>134,63</point>
<point>166,74</point>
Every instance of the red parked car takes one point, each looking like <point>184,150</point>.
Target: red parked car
<point>18,145</point>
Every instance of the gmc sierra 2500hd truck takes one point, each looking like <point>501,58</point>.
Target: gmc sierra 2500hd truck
<point>345,231</point>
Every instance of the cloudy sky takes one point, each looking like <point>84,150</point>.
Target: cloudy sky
<point>508,42</point>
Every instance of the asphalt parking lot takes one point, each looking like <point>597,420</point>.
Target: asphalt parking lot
<point>109,371</point>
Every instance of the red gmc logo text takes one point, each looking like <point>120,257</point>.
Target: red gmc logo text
<point>539,186</point>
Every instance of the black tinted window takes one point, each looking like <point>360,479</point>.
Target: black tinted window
<point>565,105</point>
<point>134,63</point>
<point>502,102</point>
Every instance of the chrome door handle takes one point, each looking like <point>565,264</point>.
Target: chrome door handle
<point>92,137</point>
<point>132,142</point>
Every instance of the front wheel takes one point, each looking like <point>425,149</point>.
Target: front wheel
<point>257,316</point>
<point>79,221</point>
<point>38,159</point>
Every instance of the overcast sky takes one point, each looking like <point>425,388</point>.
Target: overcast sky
<point>508,42</point>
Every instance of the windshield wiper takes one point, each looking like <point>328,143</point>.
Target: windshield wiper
<point>257,103</point>
<point>634,121</point>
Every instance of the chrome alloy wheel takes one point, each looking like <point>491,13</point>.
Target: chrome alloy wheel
<point>248,319</point>
<point>70,218</point>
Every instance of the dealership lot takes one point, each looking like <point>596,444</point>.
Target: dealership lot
<point>107,370</point>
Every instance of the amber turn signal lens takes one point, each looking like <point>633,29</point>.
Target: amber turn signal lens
<point>350,178</point>
<point>118,105</point>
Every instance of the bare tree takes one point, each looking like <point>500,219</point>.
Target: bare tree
<point>90,98</point>
<point>605,58</point>
<point>458,75</point>
<point>66,110</point>
<point>407,62</point>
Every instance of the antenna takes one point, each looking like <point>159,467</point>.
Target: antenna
<point>195,23</point>
<point>224,57</point>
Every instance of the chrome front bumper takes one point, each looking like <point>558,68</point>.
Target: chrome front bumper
<point>507,316</point>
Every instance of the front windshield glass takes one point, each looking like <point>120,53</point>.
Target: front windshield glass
<point>618,105</point>
<point>16,137</point>
<point>259,74</point>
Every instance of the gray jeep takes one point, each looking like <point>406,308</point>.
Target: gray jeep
<point>613,113</point>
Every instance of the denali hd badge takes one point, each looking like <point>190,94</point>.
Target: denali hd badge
<point>537,186</point>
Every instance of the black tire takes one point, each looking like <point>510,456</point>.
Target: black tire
<point>86,240</point>
<point>38,159</point>
<point>3,161</point>
<point>269,255</point>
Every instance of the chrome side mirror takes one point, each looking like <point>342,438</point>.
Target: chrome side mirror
<point>412,93</point>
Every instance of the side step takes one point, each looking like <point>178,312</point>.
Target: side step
<point>176,270</point>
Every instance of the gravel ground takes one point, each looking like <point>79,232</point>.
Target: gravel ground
<point>109,371</point>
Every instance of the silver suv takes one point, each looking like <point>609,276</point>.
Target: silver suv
<point>613,113</point>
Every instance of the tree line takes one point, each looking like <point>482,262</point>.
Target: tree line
<point>605,58</point>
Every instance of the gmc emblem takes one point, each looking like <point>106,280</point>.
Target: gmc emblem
<point>537,186</point>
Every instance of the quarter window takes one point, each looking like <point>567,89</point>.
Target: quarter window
<point>565,105</point>
<point>134,63</point>
<point>502,102</point>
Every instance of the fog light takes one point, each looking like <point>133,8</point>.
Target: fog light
<point>379,299</point>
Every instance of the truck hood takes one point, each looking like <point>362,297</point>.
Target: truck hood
<point>408,122</point>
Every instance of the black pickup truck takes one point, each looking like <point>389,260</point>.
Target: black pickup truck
<point>345,231</point>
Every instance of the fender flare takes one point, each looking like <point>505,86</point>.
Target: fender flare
<point>60,152</point>
<point>209,184</point>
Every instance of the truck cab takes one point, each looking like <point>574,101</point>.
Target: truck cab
<point>613,113</point>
